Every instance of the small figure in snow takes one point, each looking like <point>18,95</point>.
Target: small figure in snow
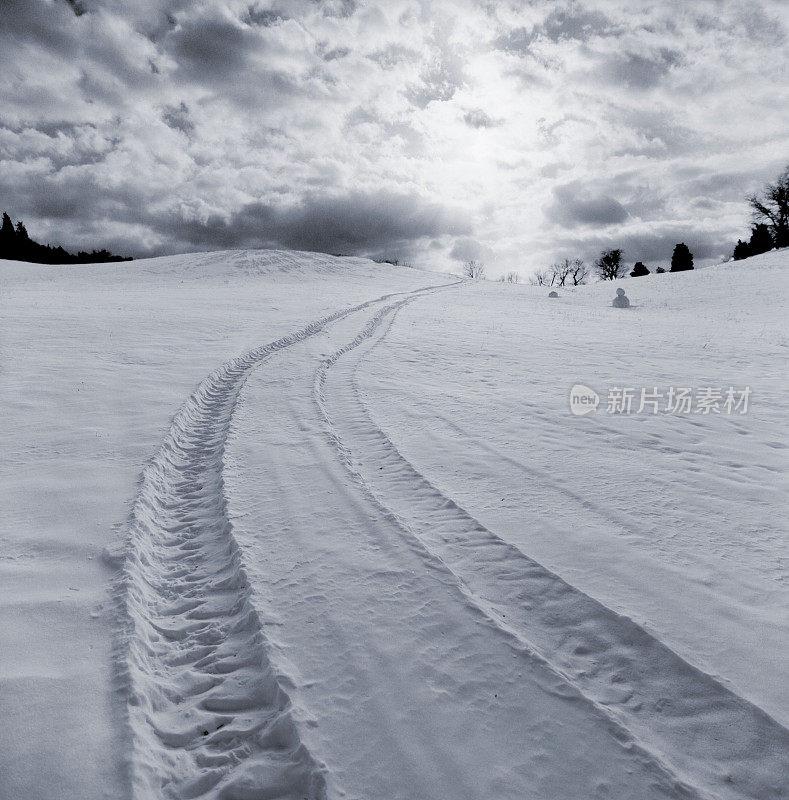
<point>620,301</point>
<point>553,294</point>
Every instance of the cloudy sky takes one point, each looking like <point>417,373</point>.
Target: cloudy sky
<point>515,132</point>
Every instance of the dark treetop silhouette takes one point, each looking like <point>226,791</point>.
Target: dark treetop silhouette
<point>16,245</point>
<point>639,270</point>
<point>682,258</point>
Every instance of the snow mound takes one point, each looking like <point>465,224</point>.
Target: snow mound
<point>274,265</point>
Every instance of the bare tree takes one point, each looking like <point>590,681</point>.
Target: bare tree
<point>474,269</point>
<point>580,272</point>
<point>609,265</point>
<point>772,207</point>
<point>561,271</point>
<point>545,277</point>
<point>513,277</point>
<point>568,272</point>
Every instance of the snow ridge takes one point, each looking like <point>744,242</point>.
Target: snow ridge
<point>697,733</point>
<point>207,715</point>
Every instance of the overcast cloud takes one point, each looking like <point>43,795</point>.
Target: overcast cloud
<point>518,132</point>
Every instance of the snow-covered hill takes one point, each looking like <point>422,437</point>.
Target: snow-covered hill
<point>94,363</point>
<point>357,545</point>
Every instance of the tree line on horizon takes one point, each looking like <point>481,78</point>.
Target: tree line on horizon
<point>16,245</point>
<point>770,230</point>
<point>608,266</point>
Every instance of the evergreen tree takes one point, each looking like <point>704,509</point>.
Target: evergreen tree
<point>761,240</point>
<point>639,270</point>
<point>17,245</point>
<point>682,258</point>
<point>741,250</point>
<point>7,238</point>
<point>25,249</point>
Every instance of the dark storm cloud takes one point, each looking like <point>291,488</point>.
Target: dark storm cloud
<point>177,118</point>
<point>35,21</point>
<point>211,49</point>
<point>75,194</point>
<point>575,23</point>
<point>575,205</point>
<point>353,224</point>
<point>74,200</point>
<point>572,23</point>
<point>59,127</point>
<point>55,30</point>
<point>77,7</point>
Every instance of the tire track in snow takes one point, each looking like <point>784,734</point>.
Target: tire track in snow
<point>206,713</point>
<point>667,780</point>
<point>704,734</point>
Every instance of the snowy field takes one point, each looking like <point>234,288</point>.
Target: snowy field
<point>280,525</point>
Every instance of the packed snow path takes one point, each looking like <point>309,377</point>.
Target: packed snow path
<point>401,687</point>
<point>688,735</point>
<point>94,362</point>
<point>206,711</point>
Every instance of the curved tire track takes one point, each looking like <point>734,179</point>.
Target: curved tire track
<point>206,713</point>
<point>707,736</point>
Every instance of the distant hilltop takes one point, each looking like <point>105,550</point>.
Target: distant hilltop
<point>16,245</point>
